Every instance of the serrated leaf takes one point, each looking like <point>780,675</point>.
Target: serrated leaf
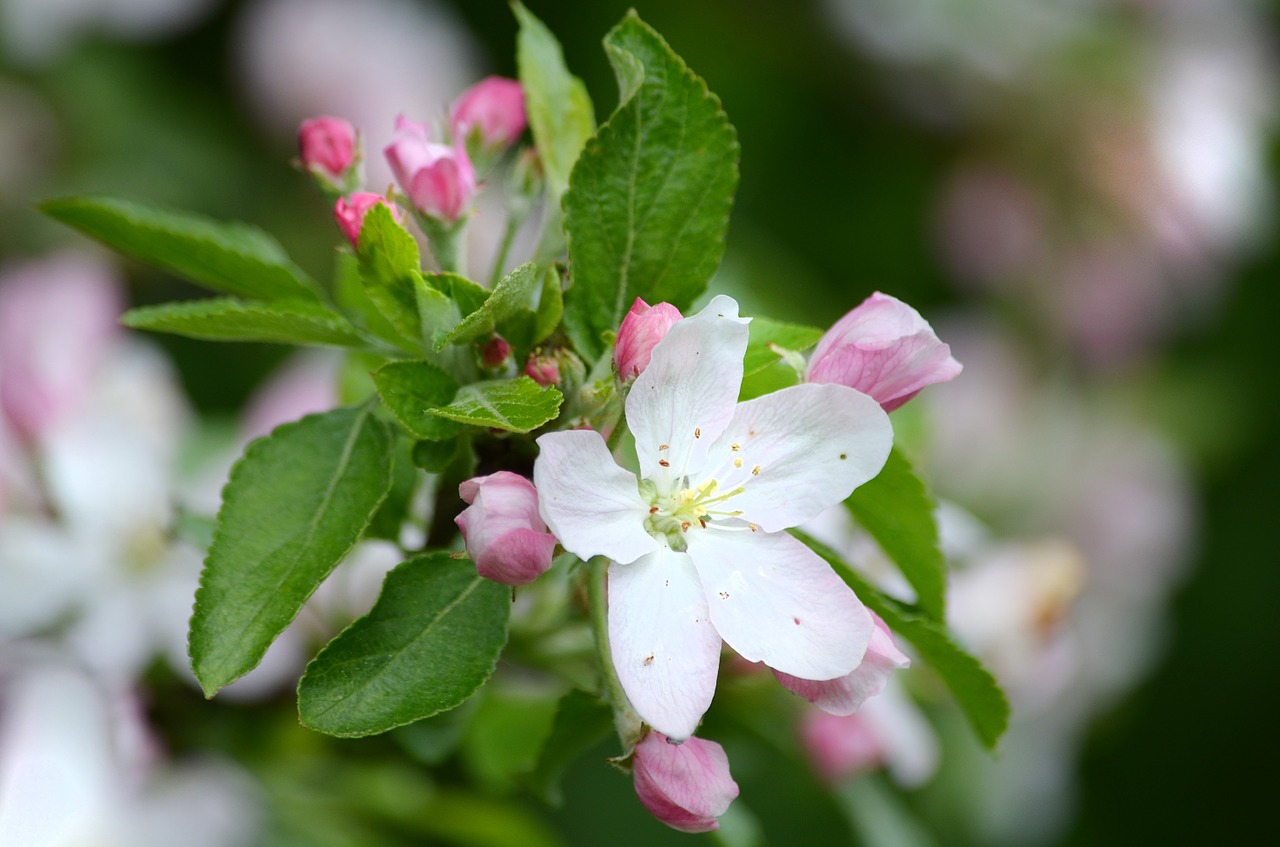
<point>560,113</point>
<point>512,297</point>
<point>974,688</point>
<point>295,504</point>
<point>550,305</point>
<point>429,642</point>
<point>581,722</point>
<point>514,405</point>
<point>233,258</point>
<point>468,295</point>
<point>388,521</point>
<point>350,296</point>
<point>766,335</point>
<point>898,512</point>
<point>410,390</point>
<point>228,319</point>
<point>649,198</point>
<point>391,272</point>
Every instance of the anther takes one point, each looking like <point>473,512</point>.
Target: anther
<point>664,446</point>
<point>697,432</point>
<point>735,447</point>
<point>653,510</point>
<point>737,463</point>
<point>664,463</point>
<point>684,526</point>
<point>755,471</point>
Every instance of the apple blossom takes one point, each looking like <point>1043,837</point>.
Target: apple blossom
<point>439,179</point>
<point>697,543</point>
<point>686,786</point>
<point>493,108</point>
<point>885,349</point>
<point>328,148</point>
<point>349,212</point>
<point>503,532</point>
<point>642,328</point>
<point>843,696</point>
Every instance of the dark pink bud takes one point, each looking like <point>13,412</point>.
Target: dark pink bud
<point>641,330</point>
<point>504,534</point>
<point>544,370</point>
<point>349,212</point>
<point>495,351</point>
<point>883,348</point>
<point>494,108</point>
<point>327,146</point>
<point>686,786</point>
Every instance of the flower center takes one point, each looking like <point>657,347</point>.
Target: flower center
<point>673,515</point>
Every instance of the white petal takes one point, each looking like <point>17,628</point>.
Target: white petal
<point>686,396</point>
<point>801,450</point>
<point>665,650</point>
<point>775,601</point>
<point>592,505</point>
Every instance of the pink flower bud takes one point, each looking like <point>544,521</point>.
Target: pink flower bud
<point>542,369</point>
<point>841,746</point>
<point>493,107</point>
<point>641,330</point>
<point>327,147</point>
<point>885,349</point>
<point>844,695</point>
<point>495,351</point>
<point>349,212</point>
<point>504,534</point>
<point>439,180</point>
<point>686,786</point>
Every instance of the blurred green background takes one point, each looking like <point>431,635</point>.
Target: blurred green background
<point>853,139</point>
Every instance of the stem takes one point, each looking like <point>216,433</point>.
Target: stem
<point>448,242</point>
<point>515,220</point>
<point>625,720</point>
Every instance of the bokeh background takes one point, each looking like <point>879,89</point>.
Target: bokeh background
<point>1080,196</point>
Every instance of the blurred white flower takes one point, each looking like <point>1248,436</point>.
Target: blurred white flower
<point>36,31</point>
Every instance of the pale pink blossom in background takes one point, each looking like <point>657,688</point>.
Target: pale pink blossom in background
<point>439,179</point>
<point>493,108</point>
<point>698,547</point>
<point>349,213</point>
<point>889,731</point>
<point>686,786</point>
<point>327,146</point>
<point>504,534</point>
<point>845,695</point>
<point>306,383</point>
<point>642,328</point>
<point>882,348</point>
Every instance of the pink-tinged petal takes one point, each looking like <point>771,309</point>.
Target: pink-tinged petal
<point>494,107</point>
<point>776,601</point>
<point>439,179</point>
<point>843,696</point>
<point>687,395</point>
<point>799,451</point>
<point>641,330</point>
<point>841,746</point>
<point>665,650</point>
<point>592,505</point>
<point>686,786</point>
<point>504,534</point>
<point>883,348</point>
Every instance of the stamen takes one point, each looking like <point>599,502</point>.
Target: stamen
<point>737,463</point>
<point>735,447</point>
<point>653,510</point>
<point>664,446</point>
<point>664,463</point>
<point>755,471</point>
<point>684,526</point>
<point>697,432</point>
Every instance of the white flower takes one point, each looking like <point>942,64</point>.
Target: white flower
<point>697,543</point>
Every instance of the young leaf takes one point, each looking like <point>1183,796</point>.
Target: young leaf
<point>559,109</point>
<point>228,319</point>
<point>769,336</point>
<point>974,688</point>
<point>296,502</point>
<point>550,305</point>
<point>513,296</point>
<point>429,642</point>
<point>898,512</point>
<point>390,271</point>
<point>350,296</point>
<point>233,258</point>
<point>581,722</point>
<point>388,521</point>
<point>515,405</point>
<point>648,201</point>
<point>410,389</point>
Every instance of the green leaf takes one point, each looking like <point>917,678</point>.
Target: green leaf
<point>233,258</point>
<point>974,688</point>
<point>581,722</point>
<point>411,390</point>
<point>769,336</point>
<point>429,642</point>
<point>550,305</point>
<point>514,405</point>
<point>898,512</point>
<point>559,109</point>
<point>354,301</point>
<point>469,296</point>
<point>435,456</point>
<point>508,730</point>
<point>648,201</point>
<point>228,319</point>
<point>295,504</point>
<point>390,270</point>
<point>388,521</point>
<point>513,297</point>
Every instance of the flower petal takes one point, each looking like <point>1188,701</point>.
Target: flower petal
<point>799,451</point>
<point>665,650</point>
<point>686,395</point>
<point>589,503</point>
<point>845,695</point>
<point>774,600</point>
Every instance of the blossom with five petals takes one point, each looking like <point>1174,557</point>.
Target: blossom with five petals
<point>697,543</point>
